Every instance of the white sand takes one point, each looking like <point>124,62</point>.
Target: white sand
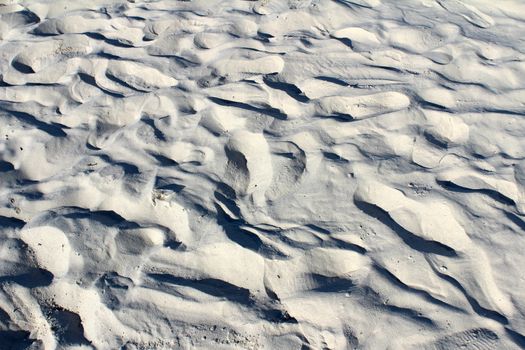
<point>271,174</point>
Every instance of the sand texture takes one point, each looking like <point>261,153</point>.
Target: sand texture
<point>270,174</point>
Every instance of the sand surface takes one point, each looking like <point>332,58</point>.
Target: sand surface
<point>272,174</point>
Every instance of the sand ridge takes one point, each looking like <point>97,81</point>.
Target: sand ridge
<point>231,174</point>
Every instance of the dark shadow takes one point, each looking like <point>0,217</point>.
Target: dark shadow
<point>88,79</point>
<point>123,83</point>
<point>6,166</point>
<point>182,62</point>
<point>495,195</point>
<point>108,56</point>
<point>409,314</point>
<point>221,289</point>
<point>163,160</point>
<point>345,41</point>
<point>174,245</point>
<point>66,325</point>
<point>334,157</point>
<point>105,217</point>
<point>337,243</point>
<point>211,286</point>
<point>113,288</point>
<point>34,278</point>
<point>113,42</point>
<point>413,241</point>
<point>233,228</point>
<point>129,168</point>
<point>166,184</point>
<point>91,147</point>
<point>517,338</point>
<point>271,112</point>
<point>20,18</point>
<point>16,340</point>
<point>290,89</point>
<point>493,315</point>
<point>157,132</point>
<point>340,117</point>
<point>234,232</point>
<point>428,105</point>
<point>33,195</point>
<point>351,4</point>
<point>22,68</point>
<point>332,80</point>
<point>425,295</point>
<point>430,138</point>
<point>331,284</point>
<point>9,222</point>
<point>51,129</point>
<point>387,68</point>
<point>515,219</point>
<point>263,37</point>
<point>288,155</point>
<point>228,203</point>
<point>226,190</point>
<point>442,77</point>
<point>317,229</point>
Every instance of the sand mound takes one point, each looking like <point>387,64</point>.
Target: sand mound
<point>270,174</point>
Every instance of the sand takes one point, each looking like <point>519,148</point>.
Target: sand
<point>271,174</point>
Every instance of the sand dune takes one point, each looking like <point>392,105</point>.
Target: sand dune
<point>292,174</point>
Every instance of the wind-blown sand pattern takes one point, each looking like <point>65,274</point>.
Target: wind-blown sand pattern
<point>272,174</point>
